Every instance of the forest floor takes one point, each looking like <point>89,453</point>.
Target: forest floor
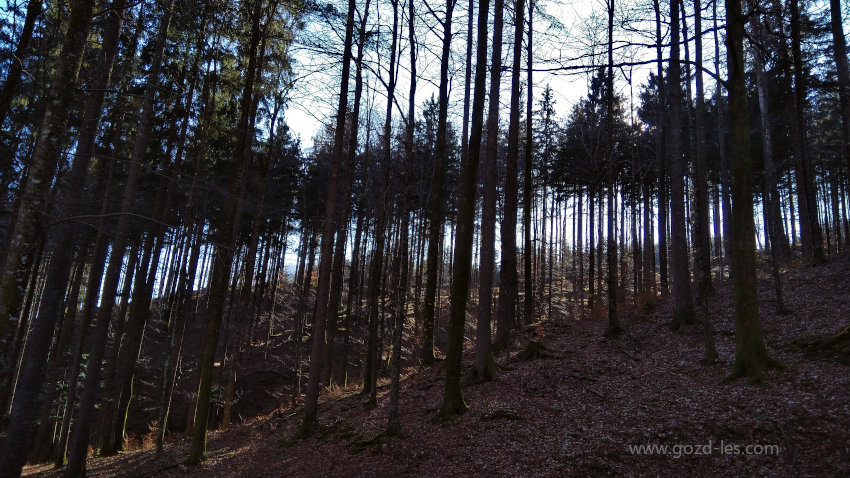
<point>584,408</point>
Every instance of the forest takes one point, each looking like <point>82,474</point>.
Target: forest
<point>413,237</point>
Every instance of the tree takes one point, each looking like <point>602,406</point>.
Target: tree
<point>810,230</point>
<point>840,55</point>
<point>453,403</point>
<point>312,400</point>
<point>227,230</point>
<point>684,308</point>
<point>485,364</point>
<point>528,187</point>
<point>751,356</point>
<point>435,217</point>
<point>613,323</point>
<point>30,222</point>
<point>506,318</point>
<point>702,242</point>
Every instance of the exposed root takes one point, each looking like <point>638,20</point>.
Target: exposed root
<point>483,372</point>
<point>834,347</point>
<point>537,350</point>
<point>753,369</point>
<point>450,409</point>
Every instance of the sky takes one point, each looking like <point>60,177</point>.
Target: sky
<point>563,31</point>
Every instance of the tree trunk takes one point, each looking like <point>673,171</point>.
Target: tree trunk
<point>435,219</point>
<point>85,418</point>
<point>29,383</point>
<point>660,154</point>
<point>774,230</point>
<point>506,317</point>
<point>453,403</point>
<point>810,229</point>
<point>683,303</point>
<point>28,229</point>
<point>311,404</point>
<point>485,364</point>
<point>528,184</point>
<point>840,54</point>
<point>225,237</point>
<point>751,357</point>
<point>13,76</point>
<point>702,239</point>
<point>400,313</point>
<point>613,324</point>
<point>341,241</point>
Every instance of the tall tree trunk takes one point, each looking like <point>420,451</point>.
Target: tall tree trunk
<point>410,145</point>
<point>10,85</point>
<point>435,219</point>
<point>453,403</point>
<point>683,303</point>
<point>180,315</point>
<point>772,215</point>
<point>772,203</point>
<point>354,287</point>
<point>506,318</point>
<point>226,233</point>
<point>301,314</point>
<point>85,417</point>
<point>702,239</point>
<point>382,212</point>
<point>840,55</point>
<point>660,154</point>
<point>613,324</point>
<point>400,312</point>
<point>93,288</point>
<point>528,184</point>
<point>341,241</point>
<point>648,242</point>
<point>591,244</point>
<point>373,294</point>
<point>311,404</point>
<point>29,226</point>
<point>29,382</point>
<point>13,76</point>
<point>485,364</point>
<point>725,179</point>
<point>751,357</point>
<point>45,432</point>
<point>810,228</point>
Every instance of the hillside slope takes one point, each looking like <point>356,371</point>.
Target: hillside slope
<point>581,409</point>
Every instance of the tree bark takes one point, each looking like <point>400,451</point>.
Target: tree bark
<point>485,364</point>
<point>435,219</point>
<point>840,54</point>
<point>702,240</point>
<point>528,184</point>
<point>751,357</point>
<point>226,234</point>
<point>683,303</point>
<point>31,217</point>
<point>13,76</point>
<point>506,318</point>
<point>613,323</point>
<point>85,417</point>
<point>453,403</point>
<point>810,229</point>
